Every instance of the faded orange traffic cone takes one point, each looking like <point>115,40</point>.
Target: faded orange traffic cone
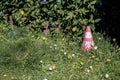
<point>88,42</point>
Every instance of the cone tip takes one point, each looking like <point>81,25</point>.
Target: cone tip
<point>88,28</point>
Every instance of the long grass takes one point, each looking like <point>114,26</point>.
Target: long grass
<point>27,56</point>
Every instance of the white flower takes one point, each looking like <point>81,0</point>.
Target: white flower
<point>50,46</point>
<point>95,47</point>
<point>73,55</point>
<point>4,75</point>
<point>45,79</point>
<point>41,61</point>
<point>55,45</point>
<point>90,67</point>
<point>12,78</point>
<point>50,68</point>
<point>65,53</point>
<point>44,38</point>
<point>106,75</point>
<point>55,48</point>
<point>99,38</point>
<point>88,70</point>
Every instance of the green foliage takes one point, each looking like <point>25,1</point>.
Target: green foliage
<point>29,56</point>
<point>65,14</point>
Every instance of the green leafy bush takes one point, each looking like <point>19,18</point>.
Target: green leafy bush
<point>70,15</point>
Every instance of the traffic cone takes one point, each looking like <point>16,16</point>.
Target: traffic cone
<point>88,42</point>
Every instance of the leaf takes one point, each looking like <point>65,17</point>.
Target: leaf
<point>78,1</point>
<point>97,20</point>
<point>71,6</point>
<point>61,12</point>
<point>91,17</point>
<point>93,2</point>
<point>70,15</point>
<point>92,26</point>
<point>84,1</point>
<point>44,9</point>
